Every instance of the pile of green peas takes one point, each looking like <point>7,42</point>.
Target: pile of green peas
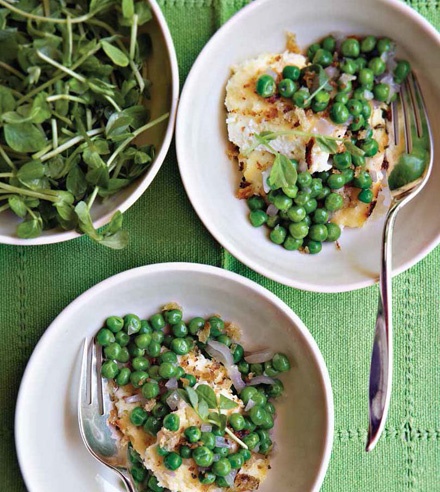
<point>362,58</point>
<point>302,221</point>
<point>144,354</point>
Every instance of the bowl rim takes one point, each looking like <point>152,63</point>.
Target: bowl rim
<point>405,10</point>
<point>197,268</point>
<point>158,160</point>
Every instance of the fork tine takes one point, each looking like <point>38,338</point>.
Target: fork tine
<point>96,379</point>
<point>84,393</point>
<point>408,117</point>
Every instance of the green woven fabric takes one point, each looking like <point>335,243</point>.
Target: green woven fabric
<point>38,282</point>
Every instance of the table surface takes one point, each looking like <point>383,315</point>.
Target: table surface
<point>38,282</point>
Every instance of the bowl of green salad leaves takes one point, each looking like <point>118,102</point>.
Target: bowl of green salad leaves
<point>88,96</point>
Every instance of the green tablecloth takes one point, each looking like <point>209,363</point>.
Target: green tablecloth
<point>38,282</point>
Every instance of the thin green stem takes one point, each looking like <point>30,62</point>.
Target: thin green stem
<point>113,103</point>
<point>54,133</point>
<point>7,159</point>
<point>319,89</point>
<point>66,97</point>
<point>75,20</point>
<point>69,41</point>
<point>7,175</point>
<point>12,70</point>
<point>4,207</point>
<point>64,119</point>
<point>137,132</point>
<point>89,119</point>
<point>133,36</point>
<point>235,438</point>
<point>92,197</point>
<point>6,196</point>
<point>31,213</point>
<point>23,191</point>
<point>70,143</point>
<point>61,67</point>
<point>41,152</point>
<point>46,8</point>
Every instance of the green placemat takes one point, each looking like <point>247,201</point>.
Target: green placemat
<point>38,282</point>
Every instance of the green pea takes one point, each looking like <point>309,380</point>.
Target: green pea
<point>135,351</point>
<point>157,336</point>
<point>273,221</point>
<point>363,180</point>
<point>276,389</point>
<point>222,467</point>
<point>304,179</point>
<point>368,44</point>
<point>249,425</point>
<point>157,322</point>
<point>202,455</point>
<point>334,202</point>
<point>153,349</point>
<point>222,452</point>
<point>208,440</point>
<point>357,123</point>
<point>138,416</point>
<point>105,337</point>
<point>278,234</point>
<point>348,175</point>
<point>269,370</point>
<point>247,394</point>
<point>349,66</point>
<point>301,98</point>
<point>342,97</point>
<point>138,472</point>
<point>355,107</point>
<point>123,377</point>
<point>310,206</point>
<point>359,94</point>
<point>308,221</point>
<point>138,378</point>
<point>339,113</point>
<point>366,76</point>
<point>258,415</point>
<point>270,408</point>
<point>384,45</point>
<point>280,361</point>
<point>140,364</point>
<point>257,369</point>
<point>145,327</point>
<point>237,351</point>
<point>132,323</point>
<point>361,63</point>
<point>153,485</point>
<point>282,202</point>
<point>369,146</point>
<point>266,86</point>
<point>207,478</point>
<point>185,452</point>
<point>180,330</point>
<point>160,410</point>
<point>329,43</point>
<point>254,202</point>
<point>381,92</point>
<point>291,72</point>
<point>196,324</point>
<point>152,425</point>
<point>334,232</point>
<point>109,369</point>
<point>341,161</point>
<point>153,372</point>
<point>318,232</point>
<point>236,460</point>
<point>292,244</point>
<point>251,440</point>
<point>246,454</point>
<point>191,379</point>
<point>122,338</point>
<point>290,191</point>
<point>315,187</point>
<point>350,47</point>
<point>172,422</point>
<point>377,66</point>
<point>358,160</point>
<point>257,218</point>
<point>336,181</point>
<point>112,351</point>
<point>324,193</point>
<point>320,216</point>
<point>366,196</point>
<point>243,366</point>
<point>133,456</point>
<point>236,421</point>
<point>266,447</point>
<point>150,389</point>
<point>172,461</point>
<point>260,398</point>
<point>302,198</point>
<point>298,230</point>
<point>193,434</point>
<point>173,316</point>
<point>217,326</point>
<point>296,213</point>
<point>401,71</point>
<point>114,323</point>
<point>162,451</point>
<point>168,357</point>
<point>287,87</point>
<point>323,57</point>
<point>167,370</point>
<point>217,431</point>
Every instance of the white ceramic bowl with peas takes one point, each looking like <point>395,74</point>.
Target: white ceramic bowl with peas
<point>211,178</point>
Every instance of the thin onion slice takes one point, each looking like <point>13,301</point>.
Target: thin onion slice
<point>221,353</point>
<point>230,478</point>
<point>135,398</point>
<point>173,400</point>
<point>206,428</point>
<point>272,210</point>
<point>259,357</point>
<point>265,174</point>
<point>221,442</point>
<point>261,380</point>
<point>250,404</point>
<point>171,383</point>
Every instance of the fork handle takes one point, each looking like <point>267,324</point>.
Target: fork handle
<point>128,481</point>
<point>381,369</point>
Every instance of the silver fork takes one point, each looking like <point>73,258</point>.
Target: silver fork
<point>93,413</point>
<point>411,122</point>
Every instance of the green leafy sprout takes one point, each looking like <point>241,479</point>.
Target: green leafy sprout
<point>72,88</point>
<point>283,172</point>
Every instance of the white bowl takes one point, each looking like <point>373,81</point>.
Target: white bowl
<point>164,73</point>
<point>211,179</point>
<point>50,451</point>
